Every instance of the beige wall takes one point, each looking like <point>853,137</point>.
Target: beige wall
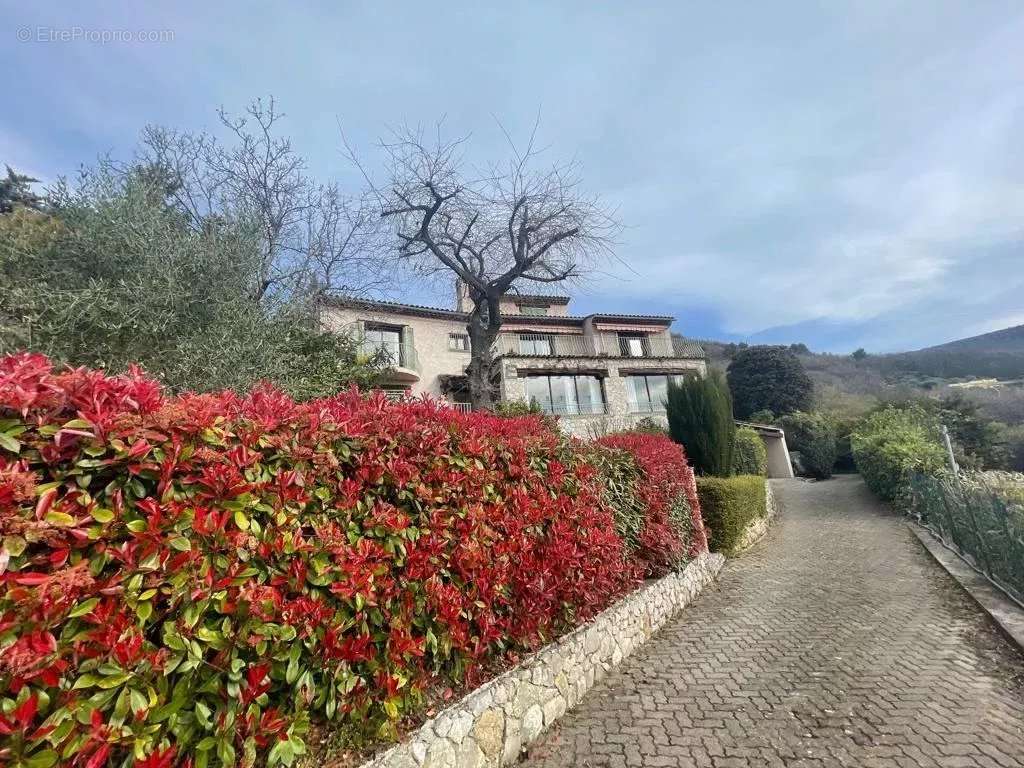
<point>430,338</point>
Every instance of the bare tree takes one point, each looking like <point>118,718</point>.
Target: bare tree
<point>312,238</point>
<point>496,231</point>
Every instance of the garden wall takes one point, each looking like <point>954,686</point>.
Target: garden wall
<point>494,723</point>
<point>758,527</point>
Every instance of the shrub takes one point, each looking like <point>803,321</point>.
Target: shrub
<point>814,436</point>
<point>768,378</point>
<point>700,418</point>
<point>892,444</point>
<point>202,577</point>
<point>761,417</point>
<point>672,526</point>
<point>729,504</point>
<point>749,457</point>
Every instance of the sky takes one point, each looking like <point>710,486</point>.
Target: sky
<point>840,174</point>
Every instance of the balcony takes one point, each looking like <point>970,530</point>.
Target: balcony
<point>603,344</point>
<point>395,355</point>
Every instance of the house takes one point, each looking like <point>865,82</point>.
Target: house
<point>598,372</point>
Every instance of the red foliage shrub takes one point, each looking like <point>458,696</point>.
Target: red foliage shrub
<point>669,494</point>
<point>191,580</point>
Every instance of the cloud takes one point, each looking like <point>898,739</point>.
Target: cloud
<point>849,174</point>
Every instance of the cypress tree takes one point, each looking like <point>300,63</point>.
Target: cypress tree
<point>700,418</point>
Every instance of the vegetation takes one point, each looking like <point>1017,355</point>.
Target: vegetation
<point>813,435</point>
<point>515,225</point>
<point>203,577</point>
<point>768,378</point>
<point>729,505</point>
<point>892,445</point>
<point>700,417</point>
<point>981,514</point>
<point>749,456</point>
<point>201,261</point>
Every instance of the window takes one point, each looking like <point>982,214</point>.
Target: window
<point>566,395</point>
<point>633,345</point>
<point>386,339</point>
<point>535,344</point>
<point>458,342</point>
<point>646,394</point>
<point>526,309</point>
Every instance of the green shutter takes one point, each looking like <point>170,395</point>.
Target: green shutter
<point>408,349</point>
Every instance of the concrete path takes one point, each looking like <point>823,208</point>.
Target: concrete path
<point>836,641</point>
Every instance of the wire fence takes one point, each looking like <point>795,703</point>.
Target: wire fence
<point>979,520</point>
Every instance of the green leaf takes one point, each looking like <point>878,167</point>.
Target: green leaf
<point>137,526</point>
<point>241,520</point>
<point>14,545</point>
<point>60,518</point>
<point>84,607</point>
<point>181,544</point>
<point>8,443</point>
<point>102,515</point>
<point>144,611</point>
<point>44,759</point>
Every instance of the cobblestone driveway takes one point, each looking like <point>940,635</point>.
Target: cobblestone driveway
<point>836,641</point>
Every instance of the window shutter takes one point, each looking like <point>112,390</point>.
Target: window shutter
<point>408,356</point>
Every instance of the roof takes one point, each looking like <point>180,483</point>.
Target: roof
<point>419,310</point>
<point>538,298</point>
<point>770,429</point>
<point>687,348</point>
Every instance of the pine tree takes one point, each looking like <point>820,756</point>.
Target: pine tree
<point>16,189</point>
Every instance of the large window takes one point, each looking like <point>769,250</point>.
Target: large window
<point>646,394</point>
<point>535,344</point>
<point>566,395</point>
<point>385,338</point>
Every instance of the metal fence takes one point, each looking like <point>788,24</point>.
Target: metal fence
<point>977,521</point>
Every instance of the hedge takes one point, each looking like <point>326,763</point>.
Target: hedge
<point>892,445</point>
<point>672,526</point>
<point>813,435</point>
<point>729,504</point>
<point>201,579</point>
<point>749,456</point>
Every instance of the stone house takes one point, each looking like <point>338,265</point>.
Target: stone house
<point>598,372</point>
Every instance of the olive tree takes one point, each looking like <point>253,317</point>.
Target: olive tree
<point>513,224</point>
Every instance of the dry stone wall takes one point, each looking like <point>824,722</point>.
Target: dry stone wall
<point>494,723</point>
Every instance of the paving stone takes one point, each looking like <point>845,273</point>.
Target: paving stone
<point>836,641</point>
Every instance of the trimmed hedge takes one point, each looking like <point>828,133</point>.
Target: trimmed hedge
<point>749,456</point>
<point>729,504</point>
<point>892,445</point>
<point>200,579</point>
<point>672,527</point>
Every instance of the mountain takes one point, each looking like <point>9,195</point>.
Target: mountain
<point>999,354</point>
<point>1007,341</point>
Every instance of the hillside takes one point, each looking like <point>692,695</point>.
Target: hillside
<point>999,354</point>
<point>1006,341</point>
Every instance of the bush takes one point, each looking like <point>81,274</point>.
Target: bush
<point>672,527</point>
<point>729,504</point>
<point>700,417</point>
<point>814,436</point>
<point>749,457</point>
<point>768,378</point>
<point>203,577</point>
<point>892,444</point>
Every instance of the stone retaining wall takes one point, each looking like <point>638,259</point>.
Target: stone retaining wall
<point>758,527</point>
<point>494,723</point>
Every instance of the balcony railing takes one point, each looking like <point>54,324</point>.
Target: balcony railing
<point>602,344</point>
<point>395,354</point>
<point>464,407</point>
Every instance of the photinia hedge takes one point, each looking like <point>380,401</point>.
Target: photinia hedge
<point>196,580</point>
<point>672,526</point>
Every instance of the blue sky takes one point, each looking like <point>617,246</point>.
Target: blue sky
<point>842,174</point>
